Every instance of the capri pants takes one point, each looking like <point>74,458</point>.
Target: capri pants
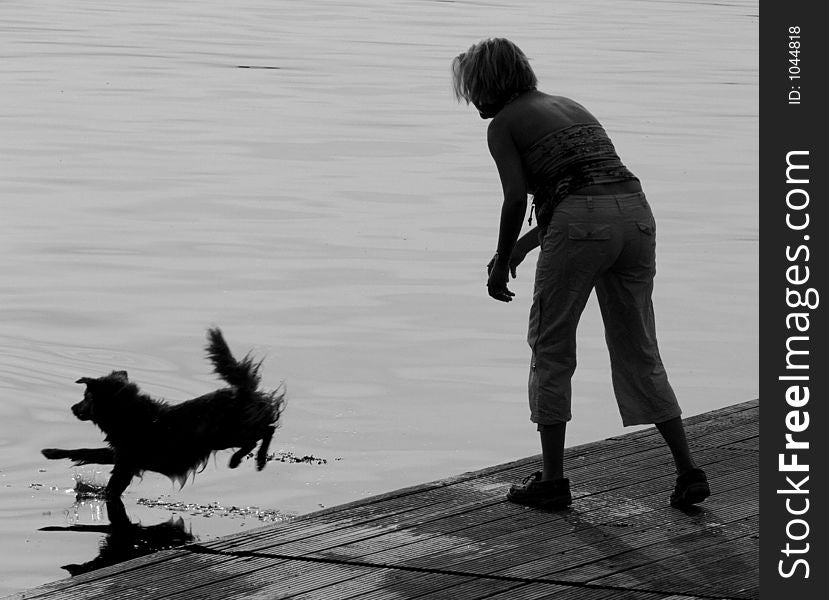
<point>607,243</point>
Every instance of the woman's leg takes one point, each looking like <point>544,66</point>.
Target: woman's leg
<point>548,489</point>
<point>552,451</point>
<point>639,378</point>
<point>625,291</point>
<point>674,433</point>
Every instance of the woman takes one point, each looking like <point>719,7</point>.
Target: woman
<point>596,230</point>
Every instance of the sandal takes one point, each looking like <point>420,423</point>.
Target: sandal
<point>691,488</point>
<point>547,495</point>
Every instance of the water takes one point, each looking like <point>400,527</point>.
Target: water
<point>332,208</point>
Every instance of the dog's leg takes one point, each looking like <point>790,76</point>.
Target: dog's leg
<point>118,481</point>
<point>262,454</point>
<point>237,457</point>
<point>82,456</point>
<point>56,453</point>
<point>117,514</point>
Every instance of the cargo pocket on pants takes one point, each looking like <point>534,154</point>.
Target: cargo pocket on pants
<point>534,329</point>
<point>647,229</point>
<point>647,255</point>
<point>588,231</point>
<point>586,249</point>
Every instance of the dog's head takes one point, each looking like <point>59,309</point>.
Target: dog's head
<point>99,391</point>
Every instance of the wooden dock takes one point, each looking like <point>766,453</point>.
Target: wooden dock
<point>458,539</point>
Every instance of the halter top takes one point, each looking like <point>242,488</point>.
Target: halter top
<point>566,160</point>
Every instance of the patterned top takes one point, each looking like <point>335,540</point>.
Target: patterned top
<point>569,159</point>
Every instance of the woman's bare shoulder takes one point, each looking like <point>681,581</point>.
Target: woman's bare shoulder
<point>537,114</point>
<point>566,108</point>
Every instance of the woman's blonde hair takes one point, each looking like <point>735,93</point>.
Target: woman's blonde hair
<point>491,71</point>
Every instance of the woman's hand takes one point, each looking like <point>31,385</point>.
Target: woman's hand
<point>515,259</point>
<point>528,242</point>
<point>496,284</point>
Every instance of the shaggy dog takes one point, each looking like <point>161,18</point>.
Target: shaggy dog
<point>176,440</point>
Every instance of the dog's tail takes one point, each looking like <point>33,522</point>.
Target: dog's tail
<point>241,374</point>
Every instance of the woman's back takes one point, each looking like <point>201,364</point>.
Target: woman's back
<point>533,115</point>
<point>563,148</point>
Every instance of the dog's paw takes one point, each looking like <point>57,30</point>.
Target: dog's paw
<point>53,453</point>
<point>234,461</point>
<point>260,463</point>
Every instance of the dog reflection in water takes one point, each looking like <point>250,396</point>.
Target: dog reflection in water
<point>146,434</point>
<point>125,540</point>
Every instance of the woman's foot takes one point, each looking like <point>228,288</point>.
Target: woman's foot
<point>691,488</point>
<point>547,495</point>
